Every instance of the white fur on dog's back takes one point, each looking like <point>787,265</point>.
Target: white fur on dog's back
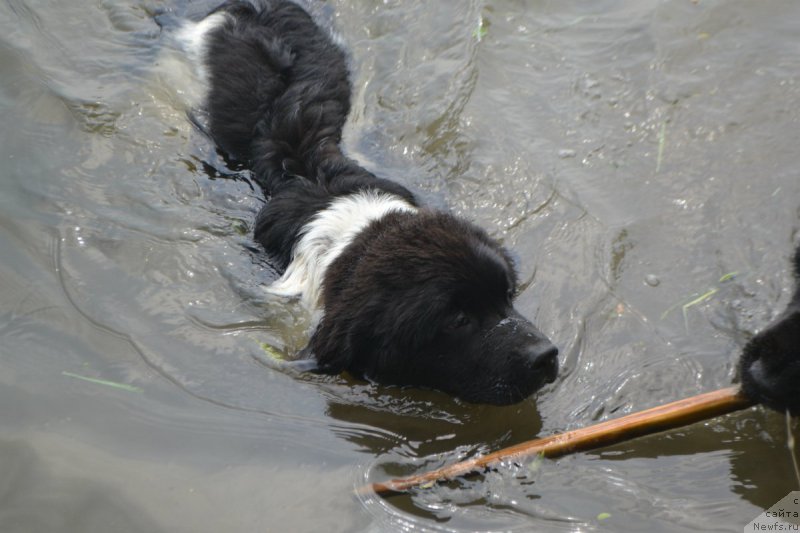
<point>183,65</point>
<point>326,236</point>
<point>192,37</point>
<point>329,231</point>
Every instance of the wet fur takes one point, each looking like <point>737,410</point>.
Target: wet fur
<point>407,295</point>
<point>770,364</point>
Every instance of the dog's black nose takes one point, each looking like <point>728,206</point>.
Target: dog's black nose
<point>543,358</point>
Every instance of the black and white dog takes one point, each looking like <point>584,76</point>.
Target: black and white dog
<point>406,295</point>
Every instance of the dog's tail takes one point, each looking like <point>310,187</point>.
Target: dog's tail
<point>279,93</point>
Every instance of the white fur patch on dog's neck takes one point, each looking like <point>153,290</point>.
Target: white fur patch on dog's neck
<point>325,237</point>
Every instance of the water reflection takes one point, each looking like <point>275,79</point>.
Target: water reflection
<point>415,424</point>
<point>682,462</point>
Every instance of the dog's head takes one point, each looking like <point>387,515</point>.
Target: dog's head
<point>426,300</point>
<point>770,365</point>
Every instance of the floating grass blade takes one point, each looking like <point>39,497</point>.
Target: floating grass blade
<point>480,30</point>
<point>271,351</point>
<point>698,299</point>
<point>113,384</point>
<point>662,138</point>
<point>790,446</point>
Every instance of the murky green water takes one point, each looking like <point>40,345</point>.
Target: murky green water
<point>630,153</point>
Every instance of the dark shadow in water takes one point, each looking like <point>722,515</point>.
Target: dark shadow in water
<point>740,437</point>
<point>745,438</point>
<point>419,423</point>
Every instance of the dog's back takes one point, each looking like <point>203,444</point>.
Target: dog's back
<point>278,98</point>
<point>276,73</point>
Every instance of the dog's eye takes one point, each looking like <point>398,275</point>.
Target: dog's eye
<point>459,321</point>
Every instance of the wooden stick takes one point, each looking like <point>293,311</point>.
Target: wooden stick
<point>672,415</point>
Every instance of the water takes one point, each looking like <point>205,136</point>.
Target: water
<point>606,143</point>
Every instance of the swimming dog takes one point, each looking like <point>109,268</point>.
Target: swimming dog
<point>406,295</point>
